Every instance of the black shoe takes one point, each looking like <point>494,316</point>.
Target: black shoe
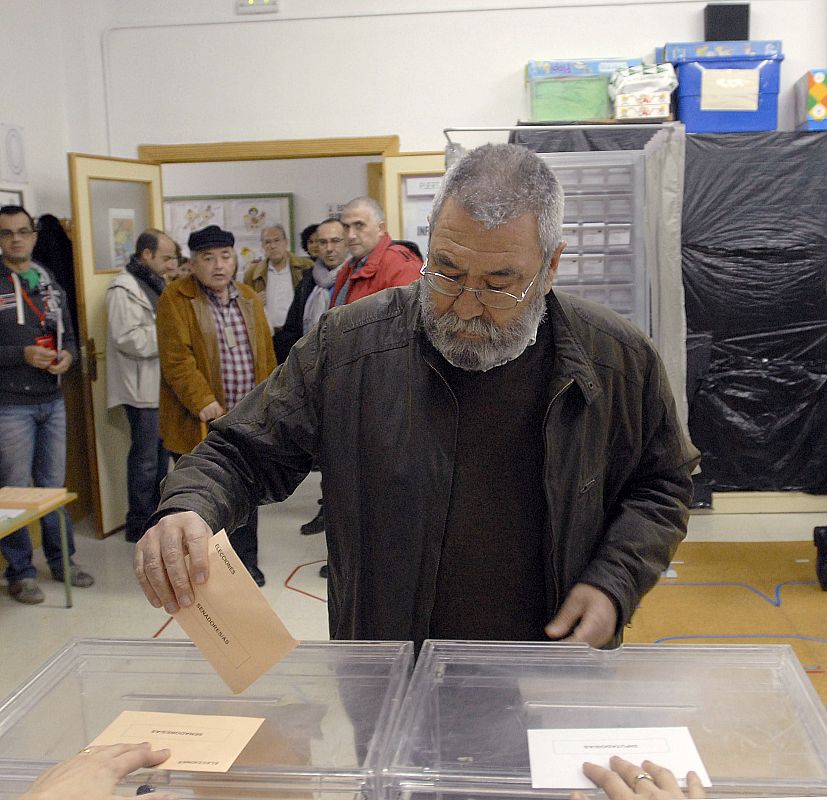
<point>323,572</point>
<point>257,575</point>
<point>316,525</point>
<point>820,539</point>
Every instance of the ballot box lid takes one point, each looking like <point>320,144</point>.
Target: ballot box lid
<point>327,709</point>
<point>758,724</point>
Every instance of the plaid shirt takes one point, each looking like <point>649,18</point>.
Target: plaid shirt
<point>237,367</point>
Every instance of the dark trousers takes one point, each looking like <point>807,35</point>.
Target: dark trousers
<point>244,540</point>
<point>281,344</point>
<point>146,467</point>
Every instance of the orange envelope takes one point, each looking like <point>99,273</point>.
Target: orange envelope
<point>231,622</point>
<point>197,742</point>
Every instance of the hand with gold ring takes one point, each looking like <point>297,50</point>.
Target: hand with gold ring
<point>626,781</point>
<point>94,772</point>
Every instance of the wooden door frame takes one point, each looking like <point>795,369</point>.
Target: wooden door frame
<point>78,253</point>
<point>269,150</point>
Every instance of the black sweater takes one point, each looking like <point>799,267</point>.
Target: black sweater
<point>20,383</point>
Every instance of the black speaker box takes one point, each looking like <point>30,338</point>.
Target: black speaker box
<point>726,22</point>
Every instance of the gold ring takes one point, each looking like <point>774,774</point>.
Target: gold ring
<point>641,776</point>
<point>86,750</point>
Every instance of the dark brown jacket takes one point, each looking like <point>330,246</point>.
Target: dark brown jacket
<point>190,362</point>
<point>360,394</point>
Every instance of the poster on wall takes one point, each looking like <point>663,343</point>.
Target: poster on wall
<point>11,197</point>
<point>121,236</point>
<point>245,215</point>
<point>418,193</point>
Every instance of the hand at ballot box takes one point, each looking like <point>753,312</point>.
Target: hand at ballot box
<point>626,781</point>
<point>94,772</point>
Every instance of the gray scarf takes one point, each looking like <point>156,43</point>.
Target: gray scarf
<point>318,301</point>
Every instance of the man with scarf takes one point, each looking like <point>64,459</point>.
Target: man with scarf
<point>311,301</point>
<point>37,346</point>
<point>133,371</point>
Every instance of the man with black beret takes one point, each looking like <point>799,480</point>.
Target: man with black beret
<point>215,345</point>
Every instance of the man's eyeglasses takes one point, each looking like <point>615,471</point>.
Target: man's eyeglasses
<point>492,298</point>
<point>23,233</point>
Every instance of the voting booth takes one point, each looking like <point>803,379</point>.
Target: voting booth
<point>463,732</point>
<point>328,708</point>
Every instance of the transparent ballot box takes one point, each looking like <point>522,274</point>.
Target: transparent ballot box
<point>756,720</point>
<point>328,709</point>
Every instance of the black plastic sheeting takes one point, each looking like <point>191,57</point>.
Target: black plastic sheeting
<point>754,245</point>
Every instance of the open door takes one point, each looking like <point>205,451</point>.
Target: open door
<point>113,200</point>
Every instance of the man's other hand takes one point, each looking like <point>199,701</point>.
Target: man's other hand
<point>587,615</point>
<point>64,361</point>
<point>159,560</point>
<point>210,412</point>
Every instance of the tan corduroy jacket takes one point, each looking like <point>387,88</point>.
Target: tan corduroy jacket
<point>256,274</point>
<point>190,363</point>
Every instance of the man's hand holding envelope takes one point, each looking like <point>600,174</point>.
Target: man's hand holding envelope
<point>212,597</point>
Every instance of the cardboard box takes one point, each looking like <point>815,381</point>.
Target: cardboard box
<point>572,90</point>
<point>654,105</point>
<point>811,101</point>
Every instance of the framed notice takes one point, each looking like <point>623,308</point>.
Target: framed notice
<point>12,196</point>
<point>411,181</point>
<point>245,215</point>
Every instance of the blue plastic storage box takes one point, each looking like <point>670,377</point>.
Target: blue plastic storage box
<point>744,97</point>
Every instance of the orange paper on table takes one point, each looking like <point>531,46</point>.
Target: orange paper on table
<point>197,742</point>
<point>231,622</point>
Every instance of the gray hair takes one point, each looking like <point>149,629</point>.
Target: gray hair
<point>276,226</point>
<point>497,183</point>
<point>369,203</point>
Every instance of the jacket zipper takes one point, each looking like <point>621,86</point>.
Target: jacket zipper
<point>442,541</point>
<point>562,390</point>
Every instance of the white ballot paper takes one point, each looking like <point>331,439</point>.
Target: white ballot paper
<point>557,755</point>
<point>231,622</point>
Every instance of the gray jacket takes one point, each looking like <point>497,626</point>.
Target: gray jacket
<point>133,372</point>
<point>360,394</point>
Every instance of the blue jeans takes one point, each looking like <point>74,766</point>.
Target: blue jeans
<point>33,451</point>
<point>146,467</point>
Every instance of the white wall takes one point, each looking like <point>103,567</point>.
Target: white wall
<point>314,182</point>
<point>108,75</point>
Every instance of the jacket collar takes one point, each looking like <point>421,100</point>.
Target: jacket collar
<point>368,269</point>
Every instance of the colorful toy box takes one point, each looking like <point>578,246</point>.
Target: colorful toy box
<point>727,86</point>
<point>571,90</point>
<point>811,101</point>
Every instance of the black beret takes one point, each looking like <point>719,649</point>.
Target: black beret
<point>211,236</point>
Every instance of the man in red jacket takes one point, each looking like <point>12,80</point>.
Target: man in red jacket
<point>376,262</point>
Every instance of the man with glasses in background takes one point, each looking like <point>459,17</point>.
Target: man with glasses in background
<point>499,461</point>
<point>37,347</point>
<point>311,301</point>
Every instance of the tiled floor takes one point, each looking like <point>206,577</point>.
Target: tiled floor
<point>115,606</point>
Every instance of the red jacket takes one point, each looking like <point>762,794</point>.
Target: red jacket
<point>389,264</point>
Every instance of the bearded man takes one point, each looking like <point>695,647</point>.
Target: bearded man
<point>499,461</point>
